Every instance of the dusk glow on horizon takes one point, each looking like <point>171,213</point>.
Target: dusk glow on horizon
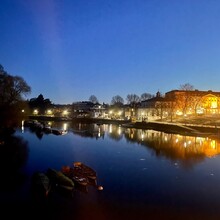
<point>69,50</point>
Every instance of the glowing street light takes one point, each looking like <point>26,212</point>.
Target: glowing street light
<point>65,112</point>
<point>35,111</point>
<point>49,112</point>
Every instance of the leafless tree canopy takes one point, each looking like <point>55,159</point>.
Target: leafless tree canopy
<point>117,100</point>
<point>187,87</point>
<point>12,88</point>
<point>93,99</point>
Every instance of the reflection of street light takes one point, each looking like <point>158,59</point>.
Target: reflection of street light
<point>65,126</point>
<point>142,136</point>
<point>110,128</point>
<point>119,130</point>
<point>22,126</point>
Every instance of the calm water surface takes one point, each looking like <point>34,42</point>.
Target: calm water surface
<point>145,174</point>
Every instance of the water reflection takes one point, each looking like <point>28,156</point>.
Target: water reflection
<point>171,146</point>
<point>136,184</point>
<point>13,156</point>
<point>183,146</point>
<point>88,130</point>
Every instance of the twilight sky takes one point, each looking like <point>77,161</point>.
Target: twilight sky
<point>68,50</point>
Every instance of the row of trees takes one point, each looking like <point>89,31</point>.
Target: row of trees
<point>132,99</point>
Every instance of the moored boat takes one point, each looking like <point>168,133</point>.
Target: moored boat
<point>60,179</point>
<point>85,170</point>
<point>81,174</point>
<point>74,175</point>
<point>41,184</point>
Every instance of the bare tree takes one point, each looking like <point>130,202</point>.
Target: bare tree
<point>117,100</point>
<point>187,87</point>
<point>93,99</point>
<point>133,99</point>
<point>12,88</point>
<point>146,96</point>
<point>185,98</point>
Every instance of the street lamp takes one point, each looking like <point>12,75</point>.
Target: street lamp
<point>35,112</point>
<point>65,112</point>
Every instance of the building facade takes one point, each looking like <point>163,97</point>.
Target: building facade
<point>178,103</point>
<point>195,102</point>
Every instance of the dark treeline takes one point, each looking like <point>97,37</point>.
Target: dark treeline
<point>12,90</point>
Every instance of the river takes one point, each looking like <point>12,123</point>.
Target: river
<point>145,174</point>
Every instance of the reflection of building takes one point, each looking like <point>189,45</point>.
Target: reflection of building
<point>177,146</point>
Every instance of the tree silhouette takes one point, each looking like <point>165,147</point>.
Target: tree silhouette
<point>133,99</point>
<point>40,103</point>
<point>93,99</point>
<point>146,96</point>
<point>12,90</point>
<point>117,100</point>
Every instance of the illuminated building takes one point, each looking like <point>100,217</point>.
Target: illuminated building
<point>178,103</point>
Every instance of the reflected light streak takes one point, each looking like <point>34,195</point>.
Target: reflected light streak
<point>99,133</point>
<point>22,126</point>
<point>110,129</point>
<point>65,126</point>
<point>142,136</point>
<point>119,130</point>
<point>213,144</point>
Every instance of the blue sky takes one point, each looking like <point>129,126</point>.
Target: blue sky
<point>68,50</point>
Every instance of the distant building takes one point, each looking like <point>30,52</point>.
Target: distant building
<point>82,109</point>
<point>177,103</point>
<point>186,102</point>
<point>153,109</point>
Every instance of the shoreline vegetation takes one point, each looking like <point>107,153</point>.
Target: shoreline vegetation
<point>189,128</point>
